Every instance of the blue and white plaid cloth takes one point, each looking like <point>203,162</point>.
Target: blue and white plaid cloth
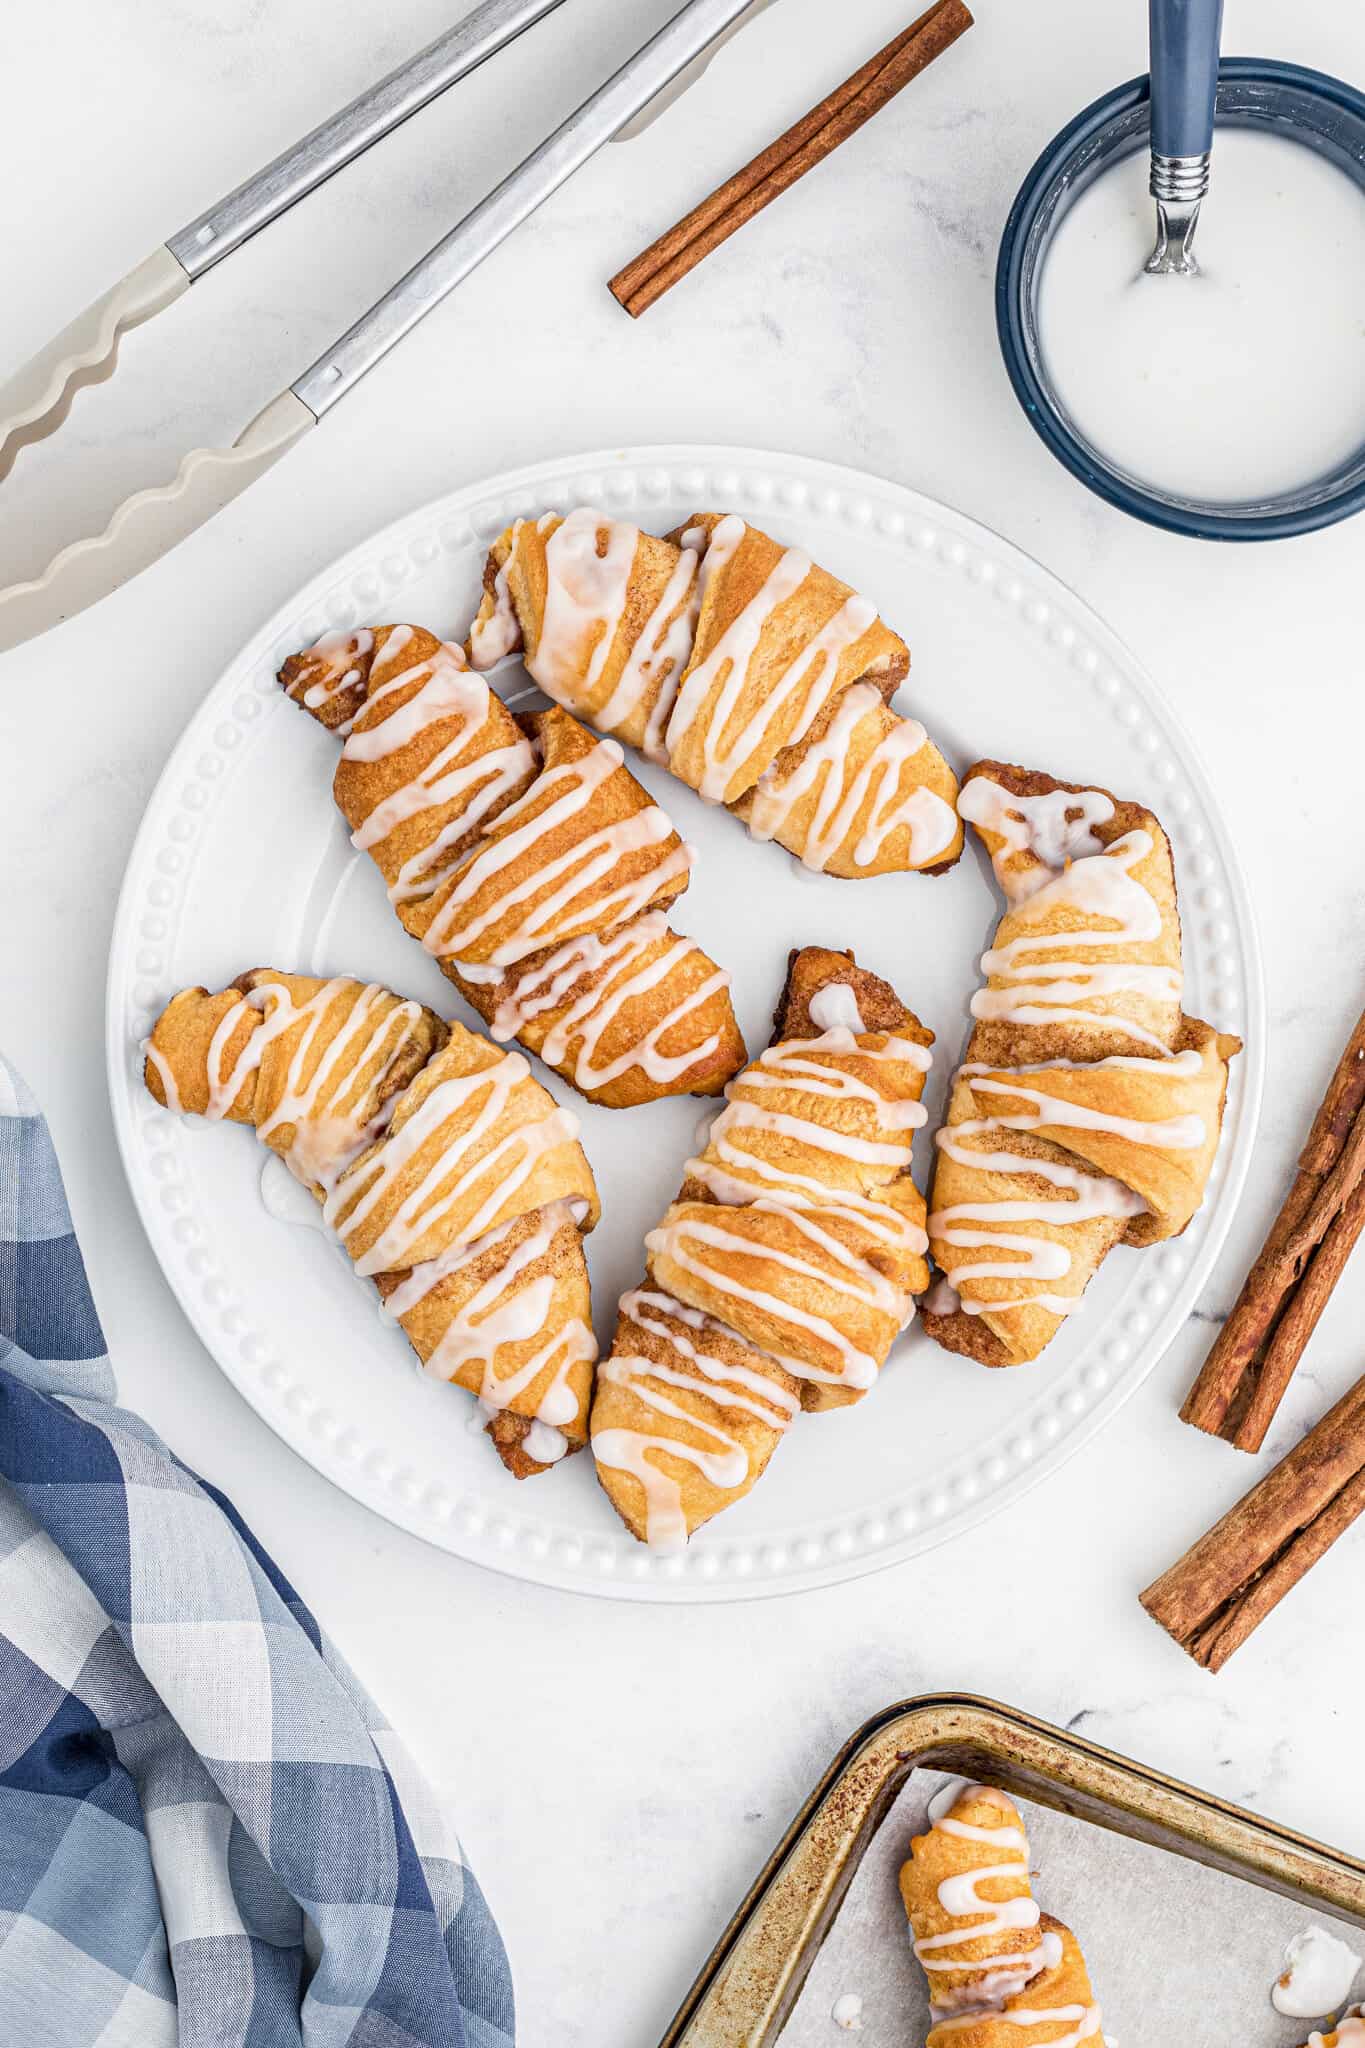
<point>207,1832</point>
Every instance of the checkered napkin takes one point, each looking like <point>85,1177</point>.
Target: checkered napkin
<point>207,1832</point>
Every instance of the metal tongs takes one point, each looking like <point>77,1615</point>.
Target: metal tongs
<point>147,525</point>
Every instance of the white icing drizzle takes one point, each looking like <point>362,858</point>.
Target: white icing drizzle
<point>339,675</point>
<point>544,1444</point>
<point>503,1311</point>
<point>1090,1195</point>
<point>552,801</point>
<point>662,650</point>
<point>942,1298</point>
<point>483,894</point>
<point>494,637</point>
<point>1077,878</point>
<point>804,1200</point>
<point>1054,825</point>
<point>164,1073</point>
<point>445,688</point>
<point>504,1165</point>
<point>726,668</point>
<point>732,1173</point>
<point>585,596</point>
<point>993,1977</point>
<point>723,1459</point>
<point>835,1007</point>
<point>589,559</point>
<point>1096,886</point>
<point>1083,2022</point>
<point>322,1147</point>
<point>585,600</point>
<point>605,964</point>
<point>743,1180</point>
<point>931,823</point>
<point>1319,1970</point>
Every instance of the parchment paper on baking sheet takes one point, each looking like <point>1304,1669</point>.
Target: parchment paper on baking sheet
<point>1177,1953</point>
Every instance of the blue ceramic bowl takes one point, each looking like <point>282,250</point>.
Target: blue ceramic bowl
<point>1305,106</point>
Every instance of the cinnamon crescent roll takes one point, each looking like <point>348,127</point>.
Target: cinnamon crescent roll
<point>996,1964</point>
<point>758,678</point>
<point>1349,2032</point>
<point>528,861</point>
<point>783,1273</point>
<point>450,1176</point>
<point>1055,2009</point>
<point>1088,1110</point>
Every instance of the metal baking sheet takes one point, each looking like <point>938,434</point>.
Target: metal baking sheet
<point>1176,1952</point>
<point>1183,1902</point>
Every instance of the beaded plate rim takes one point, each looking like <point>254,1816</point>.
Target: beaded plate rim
<point>512,1540</point>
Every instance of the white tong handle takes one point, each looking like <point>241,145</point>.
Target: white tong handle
<point>37,398</point>
<point>147,525</point>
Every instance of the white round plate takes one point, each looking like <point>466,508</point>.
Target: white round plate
<point>242,861</point>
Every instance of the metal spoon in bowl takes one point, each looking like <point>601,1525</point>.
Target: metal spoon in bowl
<point>1184,35</point>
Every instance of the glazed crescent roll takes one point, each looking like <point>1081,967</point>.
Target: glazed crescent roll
<point>1055,2009</point>
<point>528,861</point>
<point>1349,2032</point>
<point>1088,1110</point>
<point>969,1899</point>
<point>999,1969</point>
<point>783,1273</point>
<point>757,677</point>
<point>450,1176</point>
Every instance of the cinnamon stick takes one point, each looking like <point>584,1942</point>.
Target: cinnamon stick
<point>803,145</point>
<point>1253,1358</point>
<point>1232,1578</point>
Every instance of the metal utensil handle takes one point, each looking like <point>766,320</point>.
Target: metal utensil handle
<point>372,114</point>
<point>494,218</point>
<point>1185,36</point>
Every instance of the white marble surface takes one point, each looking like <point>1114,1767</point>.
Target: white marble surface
<point>619,1773</point>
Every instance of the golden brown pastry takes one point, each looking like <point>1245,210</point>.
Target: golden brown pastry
<point>447,1172</point>
<point>528,860</point>
<point>1088,1110</point>
<point>756,676</point>
<point>998,1968</point>
<point>783,1273</point>
<point>1348,2033</point>
<point>1055,2009</point>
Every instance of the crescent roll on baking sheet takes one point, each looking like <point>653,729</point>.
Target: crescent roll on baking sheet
<point>449,1175</point>
<point>758,678</point>
<point>1055,2009</point>
<point>1088,1109</point>
<point>999,1969</point>
<point>528,860</point>
<point>1349,2032</point>
<point>783,1273</point>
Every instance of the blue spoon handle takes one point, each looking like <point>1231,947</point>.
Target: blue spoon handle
<point>1184,42</point>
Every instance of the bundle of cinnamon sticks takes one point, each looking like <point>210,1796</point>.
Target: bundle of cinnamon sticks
<point>1232,1578</point>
